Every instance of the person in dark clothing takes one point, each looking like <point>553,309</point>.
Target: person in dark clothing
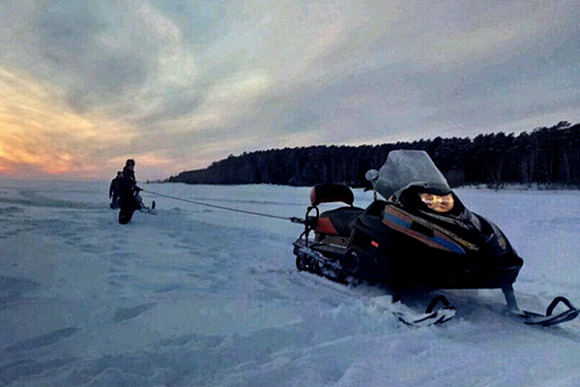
<point>127,190</point>
<point>114,190</point>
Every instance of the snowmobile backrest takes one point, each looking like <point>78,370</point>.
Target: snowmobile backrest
<point>328,193</point>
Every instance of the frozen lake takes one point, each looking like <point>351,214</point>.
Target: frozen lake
<point>194,296</point>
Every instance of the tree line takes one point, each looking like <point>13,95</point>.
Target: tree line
<point>546,156</point>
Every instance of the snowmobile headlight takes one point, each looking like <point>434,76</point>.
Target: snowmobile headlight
<point>438,203</point>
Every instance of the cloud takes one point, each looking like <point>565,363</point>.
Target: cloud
<point>42,135</point>
<point>181,83</point>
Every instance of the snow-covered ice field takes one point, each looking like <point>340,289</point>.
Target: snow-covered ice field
<point>193,296</point>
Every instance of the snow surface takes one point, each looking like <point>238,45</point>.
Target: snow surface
<point>194,296</point>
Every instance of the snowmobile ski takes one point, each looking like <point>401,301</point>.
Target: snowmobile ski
<point>438,311</point>
<point>431,316</point>
<point>533,318</point>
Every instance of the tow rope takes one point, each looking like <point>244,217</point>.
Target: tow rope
<point>219,207</point>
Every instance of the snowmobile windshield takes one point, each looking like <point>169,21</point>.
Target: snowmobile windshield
<point>405,168</point>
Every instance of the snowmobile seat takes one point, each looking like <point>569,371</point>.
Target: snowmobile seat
<point>338,221</point>
<point>329,193</point>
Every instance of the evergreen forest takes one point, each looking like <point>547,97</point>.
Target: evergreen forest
<point>548,157</point>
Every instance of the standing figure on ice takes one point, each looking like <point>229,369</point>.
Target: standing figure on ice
<point>114,190</point>
<point>127,190</point>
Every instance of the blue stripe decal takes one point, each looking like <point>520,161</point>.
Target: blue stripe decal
<point>398,221</point>
<point>447,244</point>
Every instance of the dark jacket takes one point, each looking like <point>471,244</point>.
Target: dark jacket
<point>114,187</point>
<point>127,189</point>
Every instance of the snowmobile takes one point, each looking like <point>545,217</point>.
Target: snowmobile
<point>419,235</point>
<point>141,206</point>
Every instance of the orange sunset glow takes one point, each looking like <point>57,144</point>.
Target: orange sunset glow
<point>40,134</point>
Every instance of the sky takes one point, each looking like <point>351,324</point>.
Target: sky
<point>178,84</point>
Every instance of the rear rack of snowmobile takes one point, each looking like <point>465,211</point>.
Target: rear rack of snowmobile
<point>309,222</point>
<point>322,193</point>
